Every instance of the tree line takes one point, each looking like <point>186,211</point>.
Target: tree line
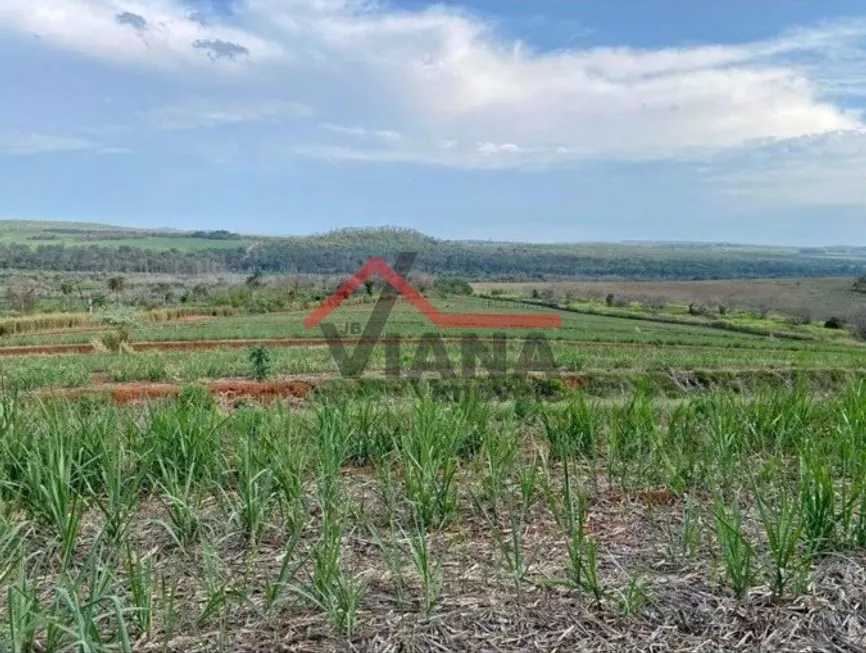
<point>342,252</point>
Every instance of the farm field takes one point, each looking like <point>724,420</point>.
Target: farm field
<point>678,484</point>
<point>430,525</point>
<point>213,348</point>
<point>73,234</point>
<point>822,297</point>
<point>406,321</point>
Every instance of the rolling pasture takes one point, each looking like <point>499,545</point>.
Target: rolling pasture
<point>680,486</point>
<point>214,348</point>
<point>823,298</point>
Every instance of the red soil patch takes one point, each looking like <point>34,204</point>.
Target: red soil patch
<point>263,391</point>
<point>229,390</point>
<point>141,392</point>
<point>580,382</point>
<point>32,350</point>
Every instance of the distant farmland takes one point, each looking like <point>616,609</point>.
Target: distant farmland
<point>824,297</point>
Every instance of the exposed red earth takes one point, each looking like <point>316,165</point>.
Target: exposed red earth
<point>227,389</point>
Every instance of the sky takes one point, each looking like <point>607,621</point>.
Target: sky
<point>541,120</point>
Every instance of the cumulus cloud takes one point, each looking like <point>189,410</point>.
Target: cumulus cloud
<point>158,33</point>
<point>454,92</point>
<point>449,76</point>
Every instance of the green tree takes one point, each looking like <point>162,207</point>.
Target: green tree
<point>260,359</point>
<point>116,284</point>
<point>453,286</point>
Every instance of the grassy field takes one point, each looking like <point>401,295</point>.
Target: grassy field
<point>592,345</point>
<point>681,486</point>
<point>405,320</point>
<point>823,298</point>
<point>75,234</point>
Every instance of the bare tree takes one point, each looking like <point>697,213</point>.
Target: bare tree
<point>21,297</point>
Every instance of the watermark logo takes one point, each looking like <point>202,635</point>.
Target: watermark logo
<point>431,354</point>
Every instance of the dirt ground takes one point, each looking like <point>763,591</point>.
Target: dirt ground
<point>228,390</point>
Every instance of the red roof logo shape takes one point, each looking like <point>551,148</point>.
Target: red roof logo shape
<point>442,320</point>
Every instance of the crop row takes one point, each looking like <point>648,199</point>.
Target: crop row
<point>127,527</point>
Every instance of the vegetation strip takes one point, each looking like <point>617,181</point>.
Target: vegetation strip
<point>662,319</point>
<point>240,343</point>
<point>366,525</point>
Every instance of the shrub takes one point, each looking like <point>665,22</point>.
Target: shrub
<point>453,286</point>
<point>255,280</point>
<point>260,359</point>
<point>66,287</point>
<point>116,284</point>
<point>858,322</point>
<point>115,341</point>
<point>200,291</point>
<point>801,317</point>
<point>424,282</point>
<point>654,305</point>
<point>121,319</point>
<point>21,298</point>
<point>196,396</point>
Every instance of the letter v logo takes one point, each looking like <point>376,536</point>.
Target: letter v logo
<point>352,367</point>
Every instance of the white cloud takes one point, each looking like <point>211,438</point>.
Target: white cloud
<point>201,112</point>
<point>23,143</point>
<point>152,33</point>
<point>445,77</point>
<point>361,132</point>
<point>454,92</point>
<point>493,148</point>
<point>442,153</point>
<point>825,170</point>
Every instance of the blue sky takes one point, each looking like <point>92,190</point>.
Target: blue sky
<point>550,120</point>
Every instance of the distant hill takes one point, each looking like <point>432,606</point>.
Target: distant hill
<point>77,234</point>
<point>59,246</point>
